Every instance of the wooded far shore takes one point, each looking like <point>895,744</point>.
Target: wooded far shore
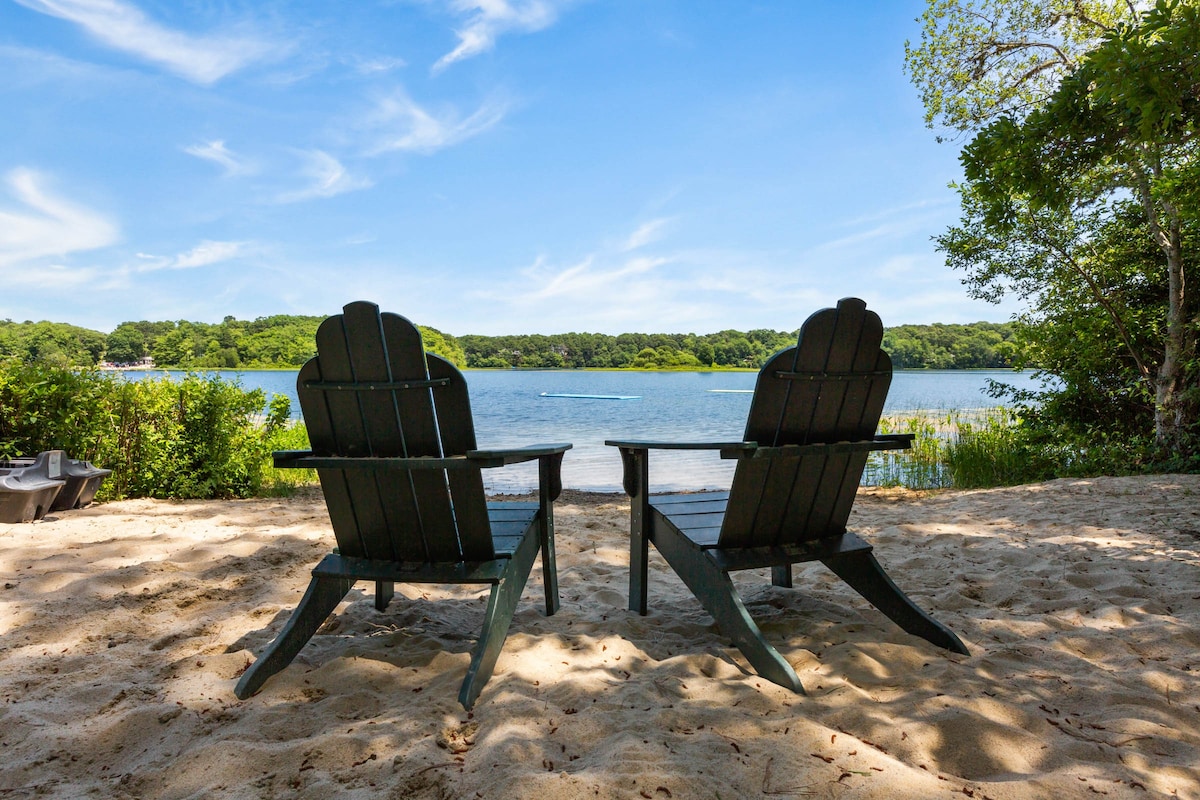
<point>284,341</point>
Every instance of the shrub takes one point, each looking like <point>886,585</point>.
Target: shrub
<point>193,438</point>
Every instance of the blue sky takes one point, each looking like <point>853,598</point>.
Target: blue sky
<point>480,166</point>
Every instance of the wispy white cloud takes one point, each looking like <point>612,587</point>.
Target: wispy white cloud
<point>326,176</point>
<point>203,59</point>
<point>597,290</point>
<point>913,219</point>
<point>372,66</point>
<point>218,153</point>
<point>28,67</point>
<point>646,233</point>
<point>489,19</point>
<point>47,225</point>
<point>406,126</point>
<point>907,210</point>
<point>610,269</point>
<point>204,254</point>
<point>584,280</point>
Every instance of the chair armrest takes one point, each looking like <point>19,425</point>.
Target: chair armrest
<point>638,444</point>
<point>548,456</point>
<point>500,457</point>
<point>889,441</point>
<point>635,455</point>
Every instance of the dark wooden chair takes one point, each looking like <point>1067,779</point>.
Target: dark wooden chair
<point>394,445</point>
<point>812,423</point>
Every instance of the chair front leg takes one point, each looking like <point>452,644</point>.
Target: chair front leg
<point>637,485</point>
<point>549,488</point>
<point>502,604</point>
<point>322,597</point>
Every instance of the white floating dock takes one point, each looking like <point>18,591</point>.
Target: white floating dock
<point>593,396</point>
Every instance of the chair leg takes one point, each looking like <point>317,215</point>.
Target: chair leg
<point>384,592</point>
<point>641,520</point>
<point>547,472</point>
<point>716,593</point>
<point>322,597</point>
<point>867,577</point>
<point>502,603</point>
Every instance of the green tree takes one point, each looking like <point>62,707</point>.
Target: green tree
<point>51,343</point>
<point>1051,166</point>
<point>445,346</point>
<point>126,344</point>
<point>979,60</point>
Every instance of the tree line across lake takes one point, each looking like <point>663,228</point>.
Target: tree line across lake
<point>288,341</point>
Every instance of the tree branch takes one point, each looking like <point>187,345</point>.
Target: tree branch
<point>1101,298</point>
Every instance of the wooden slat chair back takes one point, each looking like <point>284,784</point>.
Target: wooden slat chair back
<point>810,429</point>
<point>829,388</point>
<point>393,443</point>
<point>373,391</point>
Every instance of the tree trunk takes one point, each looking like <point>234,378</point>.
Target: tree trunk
<point>1172,415</point>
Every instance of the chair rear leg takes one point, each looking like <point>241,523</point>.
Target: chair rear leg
<point>502,603</point>
<point>866,576</point>
<point>322,597</point>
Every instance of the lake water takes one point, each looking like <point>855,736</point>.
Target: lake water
<point>510,410</point>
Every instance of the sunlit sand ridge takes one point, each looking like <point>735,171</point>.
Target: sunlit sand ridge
<point>124,628</point>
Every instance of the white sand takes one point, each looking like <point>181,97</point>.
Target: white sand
<point>124,627</point>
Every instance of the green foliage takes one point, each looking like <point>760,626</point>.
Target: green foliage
<point>665,357</point>
<point>920,466</point>
<point>981,345</point>
<point>46,407</point>
<point>195,438</point>
<point>1000,447</point>
<point>284,433</point>
<point>1005,450</point>
<point>445,346</point>
<point>979,60</point>
<point>975,346</point>
<point>994,452</point>
<point>287,342</point>
<point>50,342</point>
<point>1081,199</point>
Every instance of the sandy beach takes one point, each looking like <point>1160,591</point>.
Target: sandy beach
<point>125,626</point>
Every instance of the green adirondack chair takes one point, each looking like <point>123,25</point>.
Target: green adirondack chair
<point>812,423</point>
<point>394,445</point>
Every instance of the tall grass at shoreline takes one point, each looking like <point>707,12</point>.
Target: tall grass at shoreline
<point>967,449</point>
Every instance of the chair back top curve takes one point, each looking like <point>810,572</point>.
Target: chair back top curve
<point>373,391</point>
<point>830,387</point>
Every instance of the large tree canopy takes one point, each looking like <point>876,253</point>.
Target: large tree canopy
<point>1055,178</point>
<point>981,59</point>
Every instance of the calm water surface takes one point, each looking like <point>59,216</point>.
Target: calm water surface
<point>510,410</point>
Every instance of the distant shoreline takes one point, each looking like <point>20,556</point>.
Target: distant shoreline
<point>536,369</point>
